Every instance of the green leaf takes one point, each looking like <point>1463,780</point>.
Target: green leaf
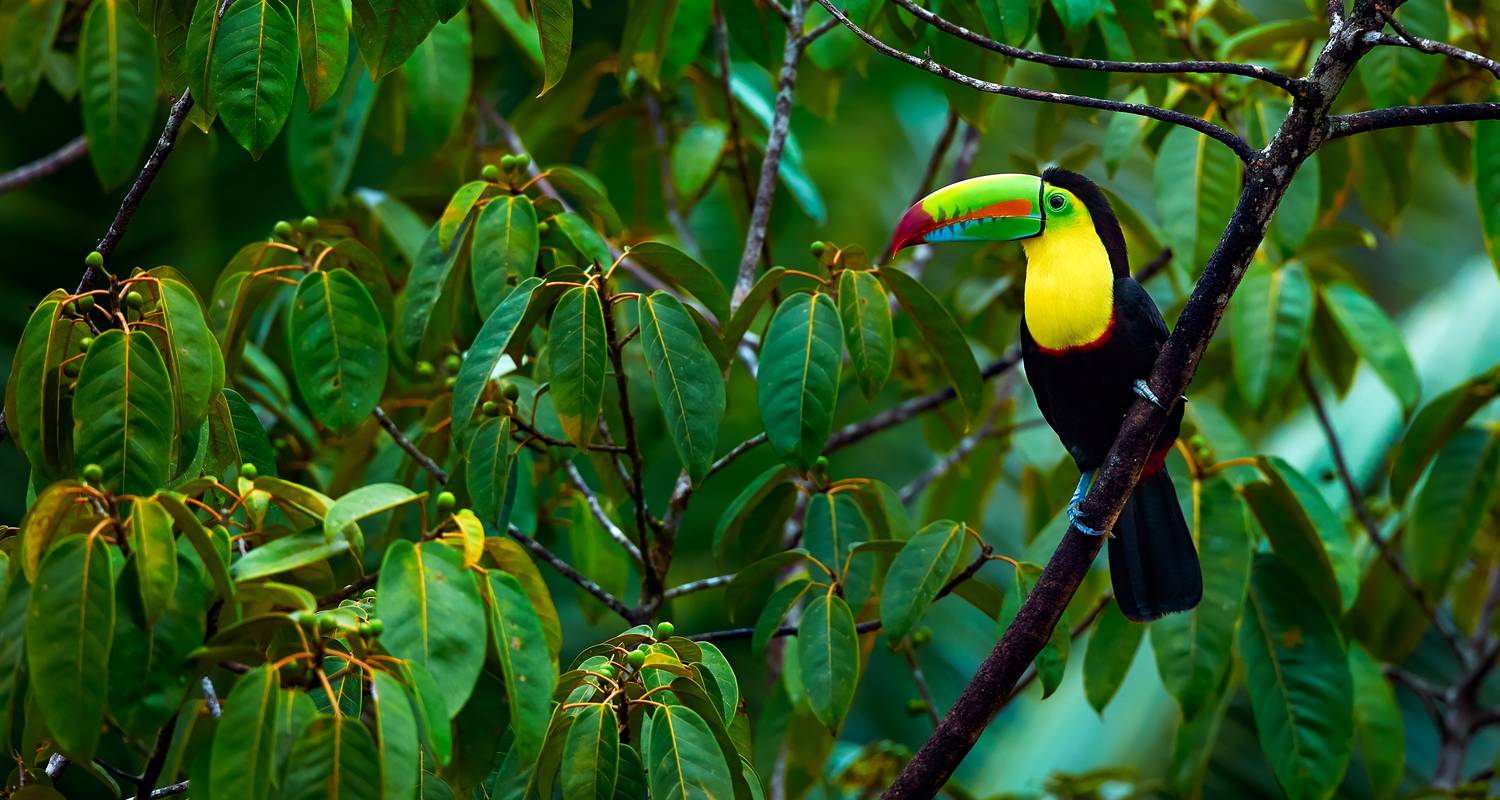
<point>389,31</point>
<point>918,572</point>
<point>155,551</point>
<point>828,657</point>
<point>1297,214</point>
<point>432,288</point>
<point>554,25</point>
<point>488,470</point>
<point>591,754</point>
<point>244,745</point>
<point>37,408</point>
<point>201,540</point>
<point>506,244</point>
<point>1111,651</point>
<point>123,405</point>
<point>1451,505</point>
<point>437,78</point>
<point>833,526</point>
<point>764,504</point>
<point>117,69</point>
<point>866,313</point>
<point>1486,156</point>
<point>286,554</point>
<point>684,272</point>
<point>12,638</point>
<point>530,673</point>
<point>798,381</point>
<point>334,758</point>
<point>943,337</point>
<point>431,712</point>
<point>1197,184</point>
<point>68,635</point>
<point>777,605</point>
<point>576,355</point>
<point>683,759</point>
<point>255,71</point>
<point>203,35</point>
<point>190,351</point>
<point>1298,679</point>
<point>26,47</point>
<point>1376,339</point>
<point>236,436</point>
<point>1394,76</point>
<point>323,143</point>
<point>502,330</point>
<point>689,386</point>
<point>1307,534</point>
<point>695,157</point>
<point>588,190</point>
<point>1194,650</point>
<point>744,316</point>
<point>323,44</point>
<point>431,608</point>
<point>366,501</point>
<point>1377,723</point>
<point>1012,21</point>
<point>463,201</point>
<point>725,684</point>
<point>1054,653</point>
<point>591,247</point>
<point>1269,323</point>
<point>338,347</point>
<point>1434,425</point>
<point>396,740</point>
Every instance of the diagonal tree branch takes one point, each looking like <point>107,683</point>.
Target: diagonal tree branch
<point>424,460</point>
<point>1240,147</point>
<point>46,165</point>
<point>1277,79</point>
<point>1404,38</point>
<point>597,510</point>
<point>1341,125</point>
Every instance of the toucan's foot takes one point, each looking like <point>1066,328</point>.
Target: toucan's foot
<point>1145,391</point>
<point>1073,513</point>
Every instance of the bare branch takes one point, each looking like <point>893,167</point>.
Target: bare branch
<point>568,571</point>
<point>698,586</point>
<point>1341,125</point>
<point>920,679</point>
<point>812,35</point>
<point>732,116</point>
<point>1404,38</point>
<point>598,511</point>
<point>1285,82</point>
<point>1240,147</point>
<point>42,167</point>
<point>902,412</point>
<point>426,462</point>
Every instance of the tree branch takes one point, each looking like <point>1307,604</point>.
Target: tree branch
<point>1404,38</point>
<point>698,586</point>
<point>598,511</point>
<point>902,412</point>
<point>1341,125</point>
<point>411,449</point>
<point>732,116</point>
<point>568,571</point>
<point>1240,147</point>
<point>1285,82</point>
<point>46,165</point>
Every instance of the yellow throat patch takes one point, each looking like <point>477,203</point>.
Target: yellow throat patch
<point>1070,297</point>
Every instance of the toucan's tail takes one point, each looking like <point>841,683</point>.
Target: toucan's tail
<point>1152,562</point>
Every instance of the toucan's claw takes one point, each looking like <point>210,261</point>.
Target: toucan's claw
<point>1073,512</point>
<point>1145,391</point>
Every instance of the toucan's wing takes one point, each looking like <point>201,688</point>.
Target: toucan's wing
<point>1138,313</point>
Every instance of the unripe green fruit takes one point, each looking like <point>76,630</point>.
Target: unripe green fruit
<point>522,161</point>
<point>543,228</point>
<point>1197,440</point>
<point>915,707</point>
<point>377,627</point>
<point>490,408</point>
<point>86,342</point>
<point>134,299</point>
<point>85,303</point>
<point>452,363</point>
<point>818,249</point>
<point>309,223</point>
<point>490,173</point>
<point>446,502</point>
<point>425,369</point>
<point>821,464</point>
<point>70,369</point>
<point>921,637</point>
<point>664,629</point>
<point>450,381</point>
<point>283,229</point>
<point>248,471</point>
<point>93,473</point>
<point>370,593</point>
<point>608,671</point>
<point>304,619</point>
<point>507,163</point>
<point>636,658</point>
<point>327,624</point>
<point>94,259</point>
<point>510,391</point>
<point>643,647</point>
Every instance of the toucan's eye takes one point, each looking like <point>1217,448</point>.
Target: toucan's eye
<point>1057,202</point>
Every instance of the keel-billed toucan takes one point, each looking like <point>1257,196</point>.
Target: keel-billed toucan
<point>1089,336</point>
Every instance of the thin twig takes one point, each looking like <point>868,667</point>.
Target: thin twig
<point>697,586</point>
<point>211,697</point>
<point>651,572</point>
<point>437,472</point>
<point>897,414</point>
<point>568,571</point>
<point>732,116</point>
<point>918,678</point>
<point>597,509</point>
<point>959,452</point>
<point>1341,125</point>
<point>551,441</point>
<point>1404,38</point>
<point>48,164</point>
<point>168,791</point>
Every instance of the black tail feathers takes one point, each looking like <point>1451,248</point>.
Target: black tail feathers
<point>1152,561</point>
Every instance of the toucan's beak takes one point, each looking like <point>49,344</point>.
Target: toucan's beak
<point>992,208</point>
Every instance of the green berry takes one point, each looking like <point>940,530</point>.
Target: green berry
<point>425,369</point>
<point>916,707</point>
<point>304,619</point>
<point>643,647</point>
<point>248,471</point>
<point>664,629</point>
<point>93,473</point>
<point>821,464</point>
<point>309,223</point>
<point>608,671</point>
<point>510,391</point>
<point>522,161</point>
<point>94,260</point>
<point>507,163</point>
<point>543,228</point>
<point>370,593</point>
<point>818,249</point>
<point>636,658</point>
<point>363,629</point>
<point>283,229</point>
<point>490,173</point>
<point>450,381</point>
<point>446,502</point>
<point>70,369</point>
<point>490,408</point>
<point>86,302</point>
<point>1197,440</point>
<point>327,624</point>
<point>921,637</point>
<point>452,362</point>
<point>134,299</point>
<point>86,342</point>
<point>376,627</point>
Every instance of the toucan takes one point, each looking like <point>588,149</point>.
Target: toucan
<point>1089,336</point>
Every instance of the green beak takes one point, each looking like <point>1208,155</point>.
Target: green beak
<point>992,208</point>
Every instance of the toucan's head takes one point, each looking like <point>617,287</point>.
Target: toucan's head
<point>1010,207</point>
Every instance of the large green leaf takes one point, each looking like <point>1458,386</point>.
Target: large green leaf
<point>147,680</point>
<point>334,758</point>
<point>255,71</point>
<point>201,540</point>
<point>26,47</point>
<point>832,527</point>
<point>432,291</point>
<point>591,754</point>
<point>399,754</point>
<point>1298,680</point>
<point>1194,649</point>
<point>588,191</point>
<point>1394,76</point>
<point>286,554</point>
<point>117,77</point>
<point>433,615</point>
<point>502,330</point>
<point>323,44</point>
<point>530,673</point>
<point>684,272</point>
<point>744,316</point>
<point>323,143</point>
<point>488,469</point>
<point>1486,157</point>
<point>366,501</point>
<point>798,380</point>
<point>1197,183</point>
<point>764,504</point>
<point>37,408</point>
<point>433,718</point>
<point>437,78</point>
<point>191,354</point>
<point>921,568</point>
<point>1308,534</point>
<point>203,34</point>
<point>683,759</point>
<point>123,406</point>
<point>244,745</point>
<point>1451,505</point>
<point>338,348</point>
<point>1269,323</point>
<point>236,436</point>
<point>1376,339</point>
<point>155,551</point>
<point>866,313</point>
<point>12,639</point>
<point>506,244</point>
<point>695,157</point>
<point>828,657</point>
<point>1378,723</point>
<point>1112,647</point>
<point>1434,425</point>
<point>68,635</point>
<point>689,387</point>
<point>457,211</point>
<point>389,31</point>
<point>554,26</point>
<point>942,335</point>
<point>576,355</point>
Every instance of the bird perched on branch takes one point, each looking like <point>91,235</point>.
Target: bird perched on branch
<point>1089,337</point>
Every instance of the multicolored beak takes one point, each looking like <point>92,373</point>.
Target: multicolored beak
<point>991,208</point>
